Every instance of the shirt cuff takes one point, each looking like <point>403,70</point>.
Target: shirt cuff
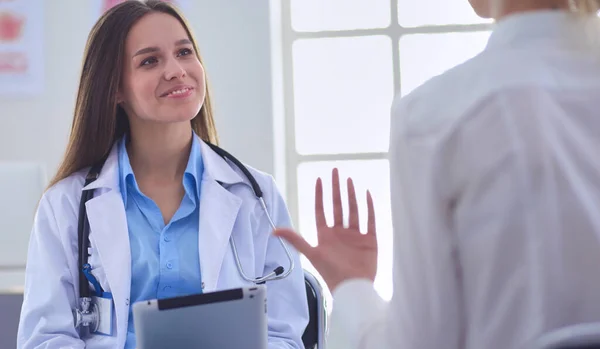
<point>356,306</point>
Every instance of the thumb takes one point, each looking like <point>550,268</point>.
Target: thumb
<point>295,240</point>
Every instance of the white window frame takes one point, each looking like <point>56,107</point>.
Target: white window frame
<point>288,36</point>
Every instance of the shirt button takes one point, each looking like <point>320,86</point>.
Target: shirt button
<point>166,288</point>
<point>127,302</point>
<point>169,265</point>
<point>167,239</point>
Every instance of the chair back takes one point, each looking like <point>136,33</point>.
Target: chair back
<point>314,335</point>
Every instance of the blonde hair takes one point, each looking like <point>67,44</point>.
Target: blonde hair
<point>585,6</point>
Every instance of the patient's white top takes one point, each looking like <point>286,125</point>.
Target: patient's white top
<point>495,170</point>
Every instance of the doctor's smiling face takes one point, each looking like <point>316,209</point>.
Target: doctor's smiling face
<point>141,65</point>
<point>163,80</point>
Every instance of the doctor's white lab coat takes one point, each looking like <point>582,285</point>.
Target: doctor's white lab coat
<point>495,175</point>
<point>228,207</point>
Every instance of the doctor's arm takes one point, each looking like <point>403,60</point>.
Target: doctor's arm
<point>287,303</point>
<point>46,319</point>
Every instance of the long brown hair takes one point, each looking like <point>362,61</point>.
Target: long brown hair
<point>98,120</point>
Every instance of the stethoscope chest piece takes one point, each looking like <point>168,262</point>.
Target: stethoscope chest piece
<point>87,315</point>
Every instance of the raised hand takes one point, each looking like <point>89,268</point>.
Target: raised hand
<point>342,253</point>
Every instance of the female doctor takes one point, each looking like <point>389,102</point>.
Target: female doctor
<point>166,206</point>
<point>495,179</point>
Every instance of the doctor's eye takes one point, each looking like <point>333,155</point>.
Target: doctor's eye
<point>148,61</point>
<point>184,52</point>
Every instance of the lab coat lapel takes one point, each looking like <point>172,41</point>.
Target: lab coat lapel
<point>109,237</point>
<point>218,213</point>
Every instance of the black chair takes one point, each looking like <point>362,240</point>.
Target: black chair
<point>10,311</point>
<point>581,336</point>
<point>314,335</point>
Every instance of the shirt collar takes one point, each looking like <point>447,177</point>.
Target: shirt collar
<point>125,170</point>
<point>195,165</point>
<point>194,169</point>
<point>555,27</point>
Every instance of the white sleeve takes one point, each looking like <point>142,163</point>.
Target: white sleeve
<point>46,318</point>
<point>424,311</point>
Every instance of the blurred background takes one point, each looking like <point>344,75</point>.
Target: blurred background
<point>299,86</point>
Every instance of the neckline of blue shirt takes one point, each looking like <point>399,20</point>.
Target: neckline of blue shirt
<point>191,179</point>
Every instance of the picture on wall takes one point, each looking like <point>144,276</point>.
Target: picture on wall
<point>21,47</point>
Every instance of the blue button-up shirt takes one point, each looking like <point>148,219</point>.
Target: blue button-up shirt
<point>164,257</point>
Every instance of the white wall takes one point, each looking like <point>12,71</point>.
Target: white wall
<point>234,40</point>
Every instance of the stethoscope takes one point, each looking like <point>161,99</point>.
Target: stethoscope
<point>87,315</point>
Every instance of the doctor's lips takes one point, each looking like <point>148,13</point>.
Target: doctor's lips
<point>178,91</point>
<point>11,26</point>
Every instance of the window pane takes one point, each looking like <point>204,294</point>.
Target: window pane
<point>366,174</point>
<point>413,13</point>
<point>423,56</point>
<point>319,15</point>
<point>343,90</point>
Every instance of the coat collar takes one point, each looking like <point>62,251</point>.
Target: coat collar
<point>215,167</point>
<point>218,168</point>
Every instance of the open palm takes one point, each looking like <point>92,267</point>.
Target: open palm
<point>342,253</point>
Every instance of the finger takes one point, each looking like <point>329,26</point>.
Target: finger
<point>295,240</point>
<point>338,213</point>
<point>319,209</point>
<point>353,219</point>
<point>371,227</point>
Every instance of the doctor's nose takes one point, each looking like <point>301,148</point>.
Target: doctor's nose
<point>174,70</point>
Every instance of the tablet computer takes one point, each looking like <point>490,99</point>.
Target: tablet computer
<point>229,319</point>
